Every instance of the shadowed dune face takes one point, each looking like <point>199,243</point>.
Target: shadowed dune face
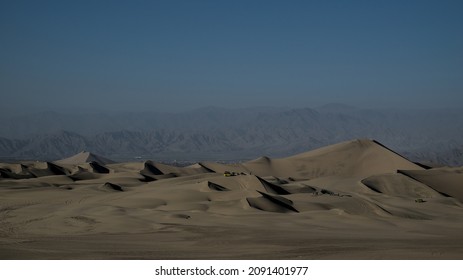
<point>272,203</point>
<point>399,185</point>
<point>447,181</point>
<point>347,191</point>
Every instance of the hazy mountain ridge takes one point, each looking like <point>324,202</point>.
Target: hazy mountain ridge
<point>426,135</point>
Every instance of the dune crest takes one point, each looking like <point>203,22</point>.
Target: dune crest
<point>84,157</point>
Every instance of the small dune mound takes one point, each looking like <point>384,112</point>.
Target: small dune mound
<point>280,181</point>
<point>15,171</point>
<point>50,169</point>
<point>150,169</point>
<point>271,203</point>
<point>98,168</point>
<point>222,168</point>
<point>272,188</point>
<point>299,188</point>
<point>447,181</point>
<point>147,178</point>
<point>202,167</point>
<point>57,170</point>
<point>398,185</point>
<point>111,187</point>
<point>216,187</point>
<point>9,174</point>
<point>158,169</point>
<point>83,174</point>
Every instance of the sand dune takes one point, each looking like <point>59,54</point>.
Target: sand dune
<point>399,185</point>
<point>359,158</point>
<point>447,181</point>
<point>84,157</point>
<point>271,203</point>
<point>343,201</point>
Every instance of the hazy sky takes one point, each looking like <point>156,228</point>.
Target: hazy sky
<point>177,55</point>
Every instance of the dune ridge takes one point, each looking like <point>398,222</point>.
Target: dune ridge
<point>84,157</point>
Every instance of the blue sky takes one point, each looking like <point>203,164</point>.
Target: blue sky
<point>180,55</point>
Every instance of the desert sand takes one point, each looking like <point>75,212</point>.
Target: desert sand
<point>352,200</point>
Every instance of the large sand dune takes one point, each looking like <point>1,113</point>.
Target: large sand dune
<point>346,201</point>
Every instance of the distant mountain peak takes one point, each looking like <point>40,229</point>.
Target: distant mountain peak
<point>336,108</point>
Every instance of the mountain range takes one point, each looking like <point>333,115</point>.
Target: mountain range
<point>433,136</point>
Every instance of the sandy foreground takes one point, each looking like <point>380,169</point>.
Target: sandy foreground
<point>353,200</point>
